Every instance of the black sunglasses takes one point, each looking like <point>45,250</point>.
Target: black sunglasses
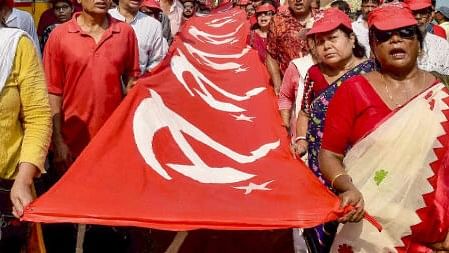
<point>405,33</point>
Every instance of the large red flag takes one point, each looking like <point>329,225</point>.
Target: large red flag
<point>197,144</point>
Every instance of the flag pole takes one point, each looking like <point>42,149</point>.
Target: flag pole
<point>80,238</point>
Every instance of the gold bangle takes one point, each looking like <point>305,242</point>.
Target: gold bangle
<point>337,176</point>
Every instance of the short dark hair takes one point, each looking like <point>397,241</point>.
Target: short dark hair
<point>189,1</point>
<point>64,1</point>
<point>358,50</point>
<point>268,2</point>
<point>342,5</point>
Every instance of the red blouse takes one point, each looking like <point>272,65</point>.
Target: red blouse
<point>353,112</point>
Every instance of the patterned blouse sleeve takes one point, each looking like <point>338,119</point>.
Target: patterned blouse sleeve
<point>308,94</point>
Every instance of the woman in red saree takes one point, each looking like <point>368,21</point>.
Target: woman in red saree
<point>385,146</point>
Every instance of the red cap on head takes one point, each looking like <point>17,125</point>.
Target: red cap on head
<point>391,16</point>
<point>265,7</point>
<point>329,20</point>
<point>151,4</point>
<point>418,4</point>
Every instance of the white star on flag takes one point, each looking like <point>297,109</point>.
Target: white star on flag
<point>243,117</point>
<point>251,187</point>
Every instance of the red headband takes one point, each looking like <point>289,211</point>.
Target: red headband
<point>265,7</point>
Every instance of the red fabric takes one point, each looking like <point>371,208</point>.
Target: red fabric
<point>258,43</point>
<point>434,225</point>
<point>285,41</point>
<point>265,7</point>
<point>391,16</point>
<point>113,183</point>
<point>87,76</point>
<point>47,18</point>
<point>329,20</point>
<point>10,3</point>
<point>439,31</point>
<point>353,112</point>
<point>315,84</point>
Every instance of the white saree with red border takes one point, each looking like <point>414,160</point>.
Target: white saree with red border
<point>400,168</point>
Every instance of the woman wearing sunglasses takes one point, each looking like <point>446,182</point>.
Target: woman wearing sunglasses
<point>257,38</point>
<point>340,57</point>
<point>385,146</point>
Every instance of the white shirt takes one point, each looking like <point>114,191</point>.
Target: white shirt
<point>435,54</point>
<point>24,21</point>
<point>362,34</point>
<point>149,39</point>
<point>175,16</point>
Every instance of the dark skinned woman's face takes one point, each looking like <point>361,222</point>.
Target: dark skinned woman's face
<point>396,49</point>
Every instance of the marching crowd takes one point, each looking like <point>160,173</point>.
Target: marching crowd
<point>342,71</point>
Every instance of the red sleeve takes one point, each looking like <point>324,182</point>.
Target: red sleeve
<point>439,31</point>
<point>340,119</point>
<point>53,67</point>
<point>133,68</point>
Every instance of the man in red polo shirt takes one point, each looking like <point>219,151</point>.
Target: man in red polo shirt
<point>86,60</point>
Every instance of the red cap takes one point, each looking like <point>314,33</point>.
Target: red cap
<point>265,7</point>
<point>329,20</point>
<point>415,5</point>
<point>391,16</point>
<point>151,4</point>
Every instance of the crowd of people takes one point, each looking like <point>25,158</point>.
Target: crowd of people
<point>341,71</point>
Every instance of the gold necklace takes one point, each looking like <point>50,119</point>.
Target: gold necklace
<point>388,91</point>
<point>390,96</point>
